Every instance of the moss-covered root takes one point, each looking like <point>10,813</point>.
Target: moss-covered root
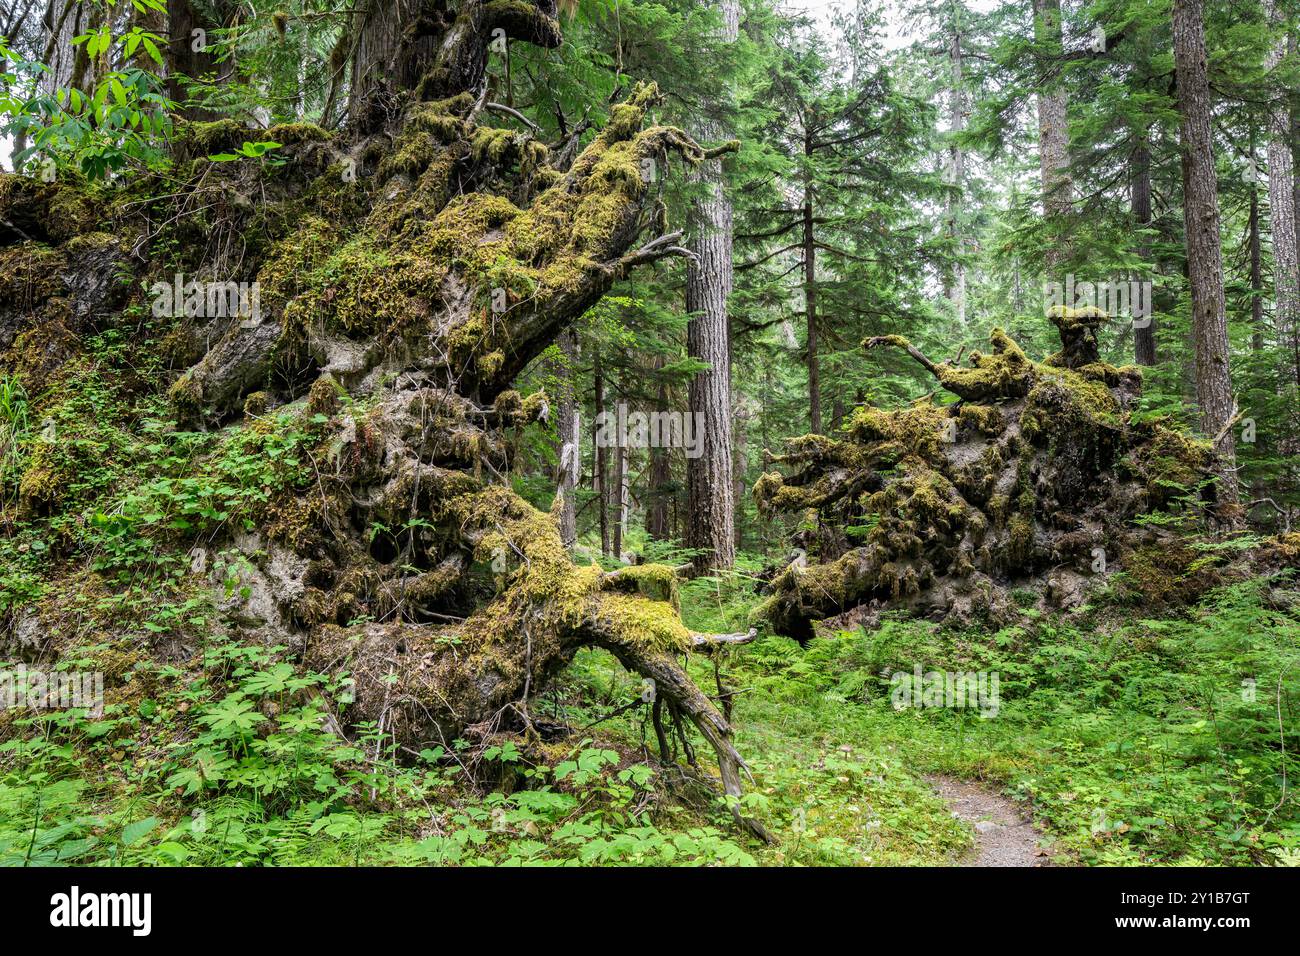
<point>427,684</point>
<point>673,683</point>
<point>953,508</point>
<point>1007,373</point>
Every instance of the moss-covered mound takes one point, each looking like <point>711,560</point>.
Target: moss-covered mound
<point>1035,481</point>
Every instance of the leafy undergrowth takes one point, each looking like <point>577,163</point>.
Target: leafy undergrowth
<point>1134,741</point>
<point>1138,742</point>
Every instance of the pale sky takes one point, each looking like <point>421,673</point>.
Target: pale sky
<point>897,36</point>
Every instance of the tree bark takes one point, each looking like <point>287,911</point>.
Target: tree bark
<point>1144,337</point>
<point>64,19</point>
<point>378,59</point>
<point>1255,253</point>
<point>1204,254</point>
<point>183,59</point>
<point>1053,125</point>
<point>710,506</point>
<point>1281,204</point>
<point>570,438</point>
<point>810,294</point>
<point>620,489</point>
<point>656,512</point>
<point>740,466</point>
<point>600,473</point>
<point>955,290</point>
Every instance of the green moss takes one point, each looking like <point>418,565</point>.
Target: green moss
<point>415,150</point>
<point>641,623</point>
<point>494,145</point>
<point>293,134</point>
<point>986,419</point>
<point>255,404</point>
<point>367,289</point>
<point>1171,462</point>
<point>323,397</point>
<point>214,137</point>
<point>71,213</point>
<point>1020,541</point>
<point>916,431</point>
<point>40,352</point>
<point>658,582</point>
<point>30,272</point>
<point>46,479</point>
<point>443,118</point>
<point>186,397</point>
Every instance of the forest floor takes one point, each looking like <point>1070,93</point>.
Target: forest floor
<point>1119,740</point>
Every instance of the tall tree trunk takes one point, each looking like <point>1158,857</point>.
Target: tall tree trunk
<point>1053,125</point>
<point>1281,204</point>
<point>620,488</point>
<point>1294,108</point>
<point>740,467</point>
<point>379,58</point>
<point>711,509</point>
<point>64,20</point>
<point>570,437</point>
<point>1144,336</point>
<point>656,511</point>
<point>1255,254</point>
<point>189,53</point>
<point>398,45</point>
<point>1204,255</point>
<point>810,293</point>
<point>955,284</point>
<point>601,470</point>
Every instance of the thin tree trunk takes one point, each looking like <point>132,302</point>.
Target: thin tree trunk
<point>1254,251</point>
<point>599,473</point>
<point>1144,336</point>
<point>810,295</point>
<point>1294,109</point>
<point>189,53</point>
<point>621,493</point>
<point>710,506</point>
<point>656,512</point>
<point>955,284</point>
<point>570,438</point>
<point>1204,254</point>
<point>63,21</point>
<point>1053,126</point>
<point>740,468</point>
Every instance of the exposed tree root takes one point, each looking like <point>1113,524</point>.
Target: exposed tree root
<point>414,270</point>
<point>1031,481</point>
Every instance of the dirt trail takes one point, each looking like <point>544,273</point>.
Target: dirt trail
<point>1004,834</point>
